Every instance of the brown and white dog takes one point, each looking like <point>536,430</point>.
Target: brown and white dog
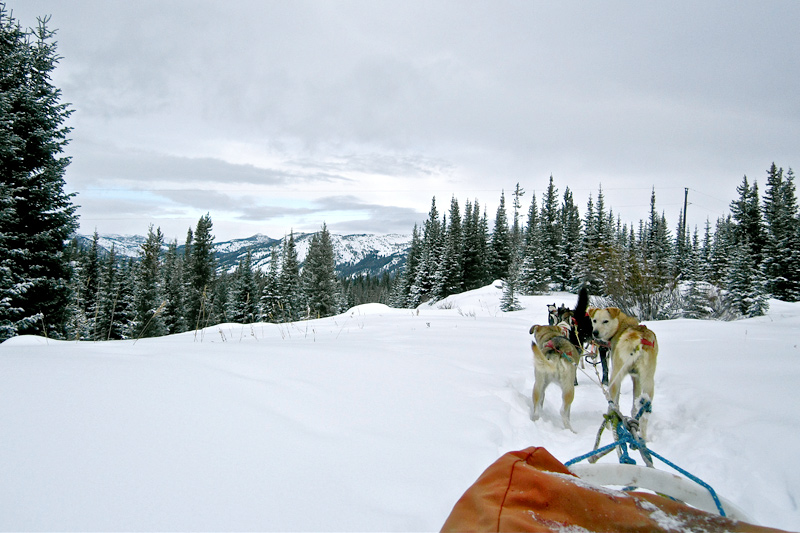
<point>634,350</point>
<point>555,359</point>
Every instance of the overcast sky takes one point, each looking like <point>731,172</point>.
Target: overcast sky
<point>279,115</point>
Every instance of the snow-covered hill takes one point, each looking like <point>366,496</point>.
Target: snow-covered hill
<point>353,254</point>
<point>377,419</point>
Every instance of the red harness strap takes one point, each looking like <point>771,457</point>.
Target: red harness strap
<point>648,343</point>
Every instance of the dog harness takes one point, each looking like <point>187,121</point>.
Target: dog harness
<point>552,346</point>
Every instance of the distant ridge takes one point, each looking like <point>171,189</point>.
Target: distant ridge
<point>354,255</point>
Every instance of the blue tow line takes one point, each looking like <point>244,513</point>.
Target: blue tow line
<point>626,438</point>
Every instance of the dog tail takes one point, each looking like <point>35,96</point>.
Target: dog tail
<point>583,303</point>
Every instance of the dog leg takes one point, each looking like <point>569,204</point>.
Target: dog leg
<point>644,394</point>
<point>567,396</point>
<point>604,362</point>
<point>538,397</point>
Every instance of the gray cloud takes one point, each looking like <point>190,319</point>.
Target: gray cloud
<point>473,95</point>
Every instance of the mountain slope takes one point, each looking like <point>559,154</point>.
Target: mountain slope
<point>356,254</point>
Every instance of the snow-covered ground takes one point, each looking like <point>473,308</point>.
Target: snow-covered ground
<point>374,420</point>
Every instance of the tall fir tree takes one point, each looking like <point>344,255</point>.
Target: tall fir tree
<point>782,243</point>
<point>36,215</point>
<point>569,246</point>
<point>322,289</point>
<point>450,274</point>
<point>501,247</point>
<point>200,274</point>
<point>746,215</point>
<point>745,284</point>
<point>430,256</point>
<point>550,228</point>
<point>109,304</point>
<point>271,307</point>
<point>148,291</point>
<point>244,295</point>
<point>173,284</point>
<point>293,300</point>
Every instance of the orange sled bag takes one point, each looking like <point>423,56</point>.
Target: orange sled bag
<point>530,490</point>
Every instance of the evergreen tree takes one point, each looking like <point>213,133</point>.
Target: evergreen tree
<point>782,242</point>
<point>508,300</point>
<point>532,274</point>
<point>244,297</point>
<point>109,304</point>
<point>721,249</point>
<point>173,284</point>
<point>570,244</point>
<point>430,256</point>
<point>91,278</point>
<point>501,250</point>
<point>37,215</point>
<point>450,275</point>
<point>271,306</point>
<point>148,293</point>
<point>550,229</point>
<point>516,229</point>
<point>322,288</point>
<point>127,308</point>
<point>200,273</point>
<point>746,214</point>
<point>475,247</point>
<point>402,291</point>
<point>292,298</point>
<point>746,287</point>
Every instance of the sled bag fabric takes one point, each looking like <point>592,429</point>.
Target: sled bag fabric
<point>530,490</point>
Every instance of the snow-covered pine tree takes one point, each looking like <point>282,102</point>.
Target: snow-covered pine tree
<point>532,275</point>
<point>569,247</point>
<point>271,309</point>
<point>243,300</point>
<point>516,228</point>
<point>508,300</point>
<point>430,256</point>
<point>322,289</point>
<point>37,215</point>
<point>293,301</point>
<point>782,243</point>
<point>450,275</point>
<point>174,310</point>
<point>475,247</point>
<point>745,284</point>
<point>110,304</point>
<point>200,274</point>
<point>148,295</point>
<point>501,245</point>
<point>722,249</point>
<point>550,229</point>
<point>746,215</point>
<point>401,292</point>
<point>696,299</point>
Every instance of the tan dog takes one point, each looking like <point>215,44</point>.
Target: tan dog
<point>634,350</point>
<point>554,360</point>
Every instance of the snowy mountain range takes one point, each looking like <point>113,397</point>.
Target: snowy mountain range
<point>356,254</point>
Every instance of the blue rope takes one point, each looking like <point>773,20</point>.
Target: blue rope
<point>626,438</point>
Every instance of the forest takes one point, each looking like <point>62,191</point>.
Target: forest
<point>51,286</point>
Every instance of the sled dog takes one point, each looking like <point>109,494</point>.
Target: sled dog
<point>581,335</point>
<point>634,350</point>
<point>554,360</point>
<point>552,314</point>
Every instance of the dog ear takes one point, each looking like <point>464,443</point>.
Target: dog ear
<point>533,328</point>
<point>591,311</point>
<point>613,311</point>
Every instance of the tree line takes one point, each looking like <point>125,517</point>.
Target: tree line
<point>649,271</point>
<point>51,287</point>
<point>165,291</point>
